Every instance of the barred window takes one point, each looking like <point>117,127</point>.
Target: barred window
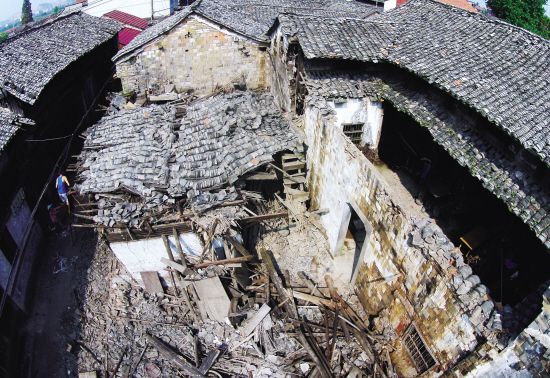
<point>417,349</point>
<point>353,131</point>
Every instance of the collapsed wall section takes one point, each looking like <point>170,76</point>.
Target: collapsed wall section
<point>410,274</point>
<point>197,55</point>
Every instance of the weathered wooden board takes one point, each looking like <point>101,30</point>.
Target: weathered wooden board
<point>214,297</point>
<point>152,282</point>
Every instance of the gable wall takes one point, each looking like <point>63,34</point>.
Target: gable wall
<point>198,55</point>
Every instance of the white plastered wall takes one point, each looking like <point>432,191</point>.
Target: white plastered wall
<point>144,255</point>
<point>361,110</point>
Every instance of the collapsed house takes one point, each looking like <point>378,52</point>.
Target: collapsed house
<point>220,180</point>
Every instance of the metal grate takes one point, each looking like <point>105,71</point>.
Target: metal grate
<point>417,349</point>
<point>354,132</point>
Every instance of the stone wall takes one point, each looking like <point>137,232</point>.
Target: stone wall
<point>196,55</point>
<point>410,271</point>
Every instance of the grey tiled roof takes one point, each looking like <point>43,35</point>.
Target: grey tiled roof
<point>496,68</point>
<point>32,57</point>
<point>9,124</point>
<point>347,38</point>
<point>341,84</point>
<point>250,18</point>
<point>220,137</point>
<point>498,173</point>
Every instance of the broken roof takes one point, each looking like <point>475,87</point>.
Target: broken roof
<point>249,18</point>
<point>496,68</point>
<point>31,58</point>
<point>148,150</point>
<point>9,124</point>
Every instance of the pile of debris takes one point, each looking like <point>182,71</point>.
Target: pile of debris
<point>235,316</point>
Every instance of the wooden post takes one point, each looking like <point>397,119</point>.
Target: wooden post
<point>180,250</point>
<point>169,252</point>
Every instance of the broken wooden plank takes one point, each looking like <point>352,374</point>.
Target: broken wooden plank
<point>174,265</point>
<point>283,294</point>
<point>260,176</point>
<point>310,284</point>
<point>313,299</point>
<point>325,373</point>
<point>175,358</point>
<point>180,250</point>
<point>223,262</point>
<point>259,218</point>
<point>209,360</point>
<point>212,293</point>
<point>152,282</point>
<point>348,311</point>
<point>238,246</point>
<point>209,240</point>
<point>255,321</point>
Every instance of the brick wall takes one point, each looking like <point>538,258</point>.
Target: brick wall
<point>195,55</point>
<point>427,273</point>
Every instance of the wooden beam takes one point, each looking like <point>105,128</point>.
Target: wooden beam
<point>238,246</point>
<point>259,218</point>
<point>173,357</point>
<point>223,262</point>
<point>284,298</point>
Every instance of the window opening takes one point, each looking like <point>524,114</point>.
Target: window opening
<point>417,349</point>
<point>354,132</point>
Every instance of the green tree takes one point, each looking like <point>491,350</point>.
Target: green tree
<point>55,10</point>
<point>26,12</point>
<point>528,14</point>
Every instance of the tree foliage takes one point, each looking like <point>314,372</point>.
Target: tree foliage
<point>528,14</point>
<point>26,12</point>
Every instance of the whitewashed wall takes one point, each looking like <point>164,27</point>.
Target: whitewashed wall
<point>144,255</point>
<point>357,110</point>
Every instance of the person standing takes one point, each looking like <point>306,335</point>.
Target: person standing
<point>62,185</point>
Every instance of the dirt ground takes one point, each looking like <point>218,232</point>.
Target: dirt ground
<point>404,188</point>
<point>61,268</point>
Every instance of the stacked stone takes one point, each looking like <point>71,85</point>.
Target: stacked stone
<point>472,294</point>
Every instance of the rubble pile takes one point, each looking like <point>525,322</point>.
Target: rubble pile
<point>215,322</point>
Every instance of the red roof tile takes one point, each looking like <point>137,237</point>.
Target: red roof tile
<point>126,35</point>
<point>464,4</point>
<point>129,19</point>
